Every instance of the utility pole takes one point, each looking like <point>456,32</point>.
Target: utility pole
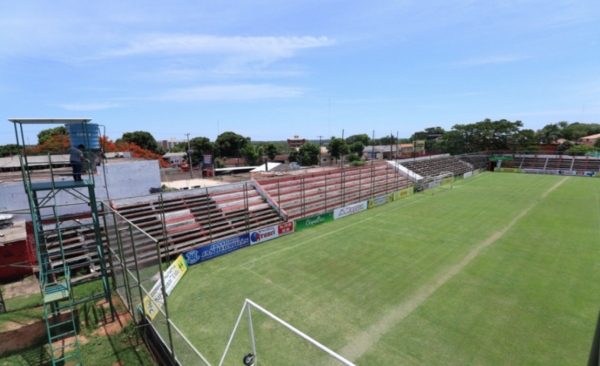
<point>320,146</point>
<point>391,143</point>
<point>344,144</point>
<point>189,153</point>
<point>373,148</point>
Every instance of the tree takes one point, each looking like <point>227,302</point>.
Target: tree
<point>310,153</point>
<point>487,134</point>
<point>270,150</point>
<point>143,139</point>
<point>8,150</point>
<point>524,139</point>
<point>451,143</point>
<point>228,143</point>
<point>337,147</point>
<point>566,145</point>
<point>580,150</point>
<point>363,137</point>
<point>47,134</point>
<point>201,146</point>
<point>550,133</point>
<point>357,148</point>
<point>250,154</point>
<point>353,157</point>
<point>388,140</point>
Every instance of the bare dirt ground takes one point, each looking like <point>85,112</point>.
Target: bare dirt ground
<point>26,286</point>
<point>19,336</point>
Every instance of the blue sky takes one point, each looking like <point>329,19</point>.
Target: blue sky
<point>270,69</point>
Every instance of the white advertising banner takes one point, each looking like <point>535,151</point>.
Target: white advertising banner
<point>349,210</point>
<point>467,174</point>
<point>580,173</point>
<point>271,232</point>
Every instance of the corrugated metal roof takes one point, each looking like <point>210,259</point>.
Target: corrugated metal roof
<point>61,121</point>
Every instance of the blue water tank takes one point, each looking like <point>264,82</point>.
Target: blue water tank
<point>84,134</point>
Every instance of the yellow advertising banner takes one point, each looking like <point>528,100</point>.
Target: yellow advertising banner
<point>508,170</point>
<point>381,200</point>
<point>172,275</point>
<point>403,193</point>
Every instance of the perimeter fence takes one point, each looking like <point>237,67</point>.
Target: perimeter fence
<point>138,275</point>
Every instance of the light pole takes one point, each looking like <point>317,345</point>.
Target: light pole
<point>189,153</point>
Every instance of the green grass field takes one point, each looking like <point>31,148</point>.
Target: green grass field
<point>504,269</point>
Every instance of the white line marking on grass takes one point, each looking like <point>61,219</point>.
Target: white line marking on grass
<point>558,184</point>
<point>366,339</point>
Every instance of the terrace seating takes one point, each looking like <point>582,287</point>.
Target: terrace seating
<point>79,247</point>
<point>311,194</point>
<point>193,218</point>
<point>582,163</point>
<point>437,165</point>
<point>477,161</point>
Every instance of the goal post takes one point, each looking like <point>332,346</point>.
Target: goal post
<point>440,182</point>
<point>250,357</point>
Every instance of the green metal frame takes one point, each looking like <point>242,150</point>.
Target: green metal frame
<point>56,293</point>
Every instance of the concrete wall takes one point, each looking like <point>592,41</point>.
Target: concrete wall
<point>125,179</point>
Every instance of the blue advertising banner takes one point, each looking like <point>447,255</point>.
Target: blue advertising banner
<point>217,249</point>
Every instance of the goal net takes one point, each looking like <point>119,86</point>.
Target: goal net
<point>437,183</point>
<point>261,338</point>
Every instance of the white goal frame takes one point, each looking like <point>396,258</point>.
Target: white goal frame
<point>248,304</point>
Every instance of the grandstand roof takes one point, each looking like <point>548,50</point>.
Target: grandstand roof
<point>263,167</point>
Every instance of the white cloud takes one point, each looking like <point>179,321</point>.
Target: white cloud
<point>231,92</point>
<point>88,107</point>
<point>490,60</point>
<point>203,44</point>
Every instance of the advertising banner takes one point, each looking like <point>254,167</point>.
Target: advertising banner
<point>172,275</point>
<point>403,193</point>
<point>349,210</point>
<point>467,175</point>
<point>217,249</point>
<point>446,181</point>
<point>508,170</point>
<point>579,173</point>
<point>378,201</point>
<point>271,232</point>
<point>313,221</point>
<point>501,158</point>
<point>207,159</point>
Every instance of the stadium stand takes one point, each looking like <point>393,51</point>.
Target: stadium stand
<point>554,162</point>
<point>197,217</point>
<point>311,194</point>
<point>79,246</point>
<point>478,161</point>
<point>437,164</point>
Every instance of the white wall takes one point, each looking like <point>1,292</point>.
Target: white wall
<point>126,179</point>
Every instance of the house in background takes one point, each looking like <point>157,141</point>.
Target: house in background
<point>296,142</point>
<point>589,140</point>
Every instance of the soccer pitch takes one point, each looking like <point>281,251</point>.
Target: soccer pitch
<point>504,269</point>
